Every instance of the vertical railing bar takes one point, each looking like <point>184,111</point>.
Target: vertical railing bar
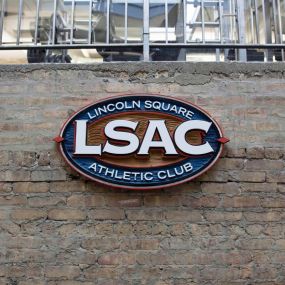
<point>90,23</point>
<point>276,35</point>
<point>256,21</point>
<point>241,29</point>
<point>221,21</point>
<point>20,13</point>
<point>279,21</point>
<point>203,21</point>
<point>3,6</point>
<point>280,27</point>
<point>146,30</point>
<point>126,21</point>
<point>252,26</point>
<point>184,20</point>
<point>265,35</point>
<point>54,21</point>
<point>37,22</point>
<point>234,24</point>
<point>108,22</point>
<point>72,21</point>
<point>166,20</point>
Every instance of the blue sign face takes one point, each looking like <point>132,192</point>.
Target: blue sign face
<point>141,141</point>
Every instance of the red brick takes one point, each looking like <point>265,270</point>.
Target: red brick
<point>255,152</point>
<point>257,243</point>
<point>278,202</point>
<point>221,188</point>
<point>276,176</point>
<point>162,201</point>
<point>247,176</point>
<point>104,214</point>
<point>263,217</point>
<point>184,216</point>
<point>254,230</point>
<point>15,175</point>
<point>280,244</point>
<point>258,187</point>
<point>142,215</point>
<point>215,216</point>
<point>28,214</point>
<point>141,244</point>
<point>85,201</point>
<point>39,202</point>
<point>230,164</point>
<point>5,187</point>
<point>48,175</point>
<point>66,215</point>
<point>100,243</point>
<point>241,202</point>
<point>274,153</point>
<point>62,271</point>
<point>68,186</point>
<point>116,259</point>
<point>12,200</point>
<point>123,200</point>
<point>29,187</point>
<point>214,176</point>
<point>264,164</point>
<point>201,202</point>
<point>236,152</point>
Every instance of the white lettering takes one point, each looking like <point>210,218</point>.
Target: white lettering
<point>111,133</point>
<point>164,142</point>
<point>184,146</point>
<point>80,140</point>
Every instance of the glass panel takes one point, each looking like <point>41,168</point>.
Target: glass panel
<point>28,22</point>
<point>212,21</point>
<point>45,24</point>
<point>10,22</point>
<point>282,17</point>
<point>99,21</point>
<point>135,20</point>
<point>194,19</point>
<point>81,22</point>
<point>117,21</point>
<point>157,20</point>
<point>175,21</point>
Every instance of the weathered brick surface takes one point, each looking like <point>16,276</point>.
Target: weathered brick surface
<point>227,227</point>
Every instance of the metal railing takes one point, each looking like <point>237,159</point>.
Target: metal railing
<point>146,30</point>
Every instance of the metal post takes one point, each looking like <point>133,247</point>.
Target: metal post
<point>166,20</point>
<point>146,30</point>
<point>241,28</point>
<point>3,6</point>
<point>256,21</point>
<point>276,32</point>
<point>280,27</point>
<point>37,22</point>
<point>203,21</point>
<point>184,20</point>
<point>90,23</point>
<point>221,21</point>
<point>267,28</point>
<point>72,21</point>
<point>54,21</point>
<point>108,22</point>
<point>126,21</point>
<point>20,13</point>
<point>253,38</point>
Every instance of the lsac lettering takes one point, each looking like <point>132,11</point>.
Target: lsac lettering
<point>148,142</point>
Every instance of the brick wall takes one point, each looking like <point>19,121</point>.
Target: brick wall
<point>227,227</point>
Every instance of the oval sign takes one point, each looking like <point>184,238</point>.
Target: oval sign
<point>141,141</point>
